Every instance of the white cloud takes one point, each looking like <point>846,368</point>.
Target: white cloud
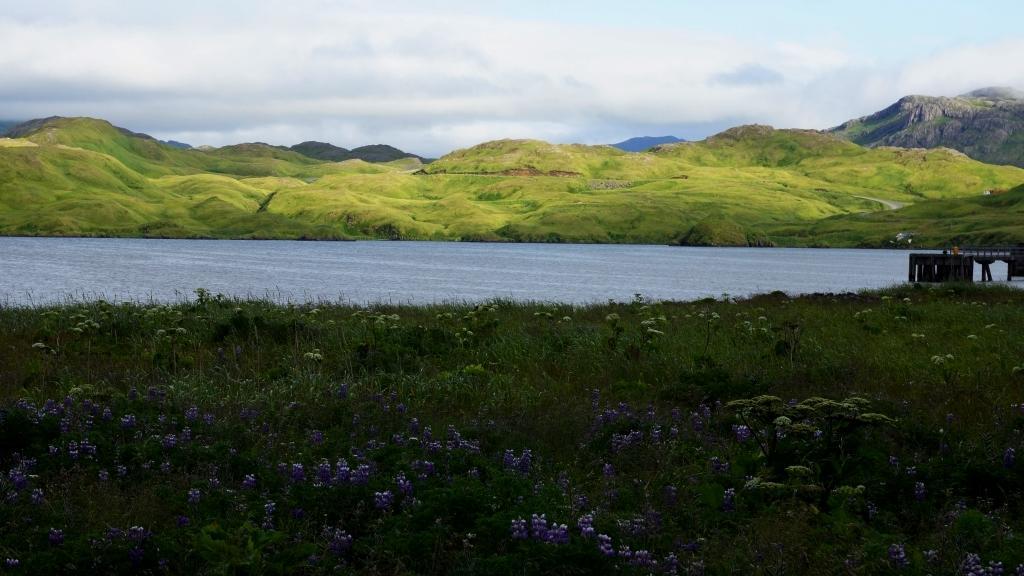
<point>352,73</point>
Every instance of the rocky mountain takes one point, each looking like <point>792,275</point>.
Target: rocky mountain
<point>986,124</point>
<point>331,153</point>
<point>6,125</point>
<point>642,143</point>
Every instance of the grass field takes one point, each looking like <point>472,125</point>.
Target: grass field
<point>748,185</point>
<point>876,433</point>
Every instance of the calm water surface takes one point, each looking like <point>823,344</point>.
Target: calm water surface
<point>42,270</point>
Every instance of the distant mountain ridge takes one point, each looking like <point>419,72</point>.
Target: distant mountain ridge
<point>22,129</point>
<point>375,153</point>
<point>986,124</point>
<point>643,143</point>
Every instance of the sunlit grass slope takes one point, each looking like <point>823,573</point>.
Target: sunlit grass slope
<point>748,185</point>
<point>984,220</point>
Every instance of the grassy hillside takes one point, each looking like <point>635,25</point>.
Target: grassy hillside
<point>986,220</point>
<point>751,184</point>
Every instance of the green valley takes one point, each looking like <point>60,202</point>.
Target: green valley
<point>748,185</point>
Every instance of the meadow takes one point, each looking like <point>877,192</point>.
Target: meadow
<point>751,185</point>
<point>871,433</point>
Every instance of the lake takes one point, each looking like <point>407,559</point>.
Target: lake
<point>45,270</point>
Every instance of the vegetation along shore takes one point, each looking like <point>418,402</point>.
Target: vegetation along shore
<point>747,186</point>
<point>870,433</point>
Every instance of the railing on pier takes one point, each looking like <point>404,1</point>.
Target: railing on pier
<point>958,264</point>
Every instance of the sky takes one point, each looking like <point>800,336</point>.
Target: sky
<point>433,76</point>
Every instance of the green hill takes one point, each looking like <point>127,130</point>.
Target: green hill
<point>986,220</point>
<point>748,185</point>
<point>371,153</point>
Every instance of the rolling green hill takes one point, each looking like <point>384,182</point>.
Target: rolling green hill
<point>748,185</point>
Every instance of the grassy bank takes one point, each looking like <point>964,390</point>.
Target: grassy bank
<point>849,434</point>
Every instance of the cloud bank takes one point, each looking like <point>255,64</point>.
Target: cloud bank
<point>352,73</point>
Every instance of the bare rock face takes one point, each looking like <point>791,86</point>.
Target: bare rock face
<point>986,124</point>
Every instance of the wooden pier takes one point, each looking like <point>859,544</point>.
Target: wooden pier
<point>959,265</point>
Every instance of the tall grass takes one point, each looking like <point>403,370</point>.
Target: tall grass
<point>769,435</point>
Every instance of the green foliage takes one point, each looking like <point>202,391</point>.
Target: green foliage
<point>747,186</point>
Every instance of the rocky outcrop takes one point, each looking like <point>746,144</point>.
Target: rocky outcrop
<point>986,124</point>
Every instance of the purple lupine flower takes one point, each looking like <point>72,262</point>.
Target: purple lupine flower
<point>742,432</point>
<point>12,562</point>
<point>56,537</point>
<point>558,534</point>
<point>122,470</point>
<point>383,500</point>
<point>249,482</point>
<point>192,414</point>
<point>104,475</point>
<point>18,478</point>
<point>898,556</point>
<point>971,566</point>
<point>995,568</point>
<point>135,555</point>
<point>729,500</point>
<point>170,441</point>
<point>1009,457</point>
<point>37,496</point>
<point>608,470</point>
<point>361,475</point>
<point>919,491</point>
<point>193,496</point>
<point>184,521</point>
<point>298,473</point>
<point>316,437</point>
<point>341,471</point>
<point>586,525</point>
<point>643,559</point>
<point>324,473</point>
<point>208,419</point>
<point>539,527</point>
<point>524,461</point>
<point>604,545</point>
<point>518,529</point>
<point>138,534</point>
<point>338,541</point>
<point>404,485</point>
<point>424,467</point>
<point>931,556</point>
<point>718,466</point>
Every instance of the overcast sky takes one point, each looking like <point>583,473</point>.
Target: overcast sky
<point>430,76</point>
